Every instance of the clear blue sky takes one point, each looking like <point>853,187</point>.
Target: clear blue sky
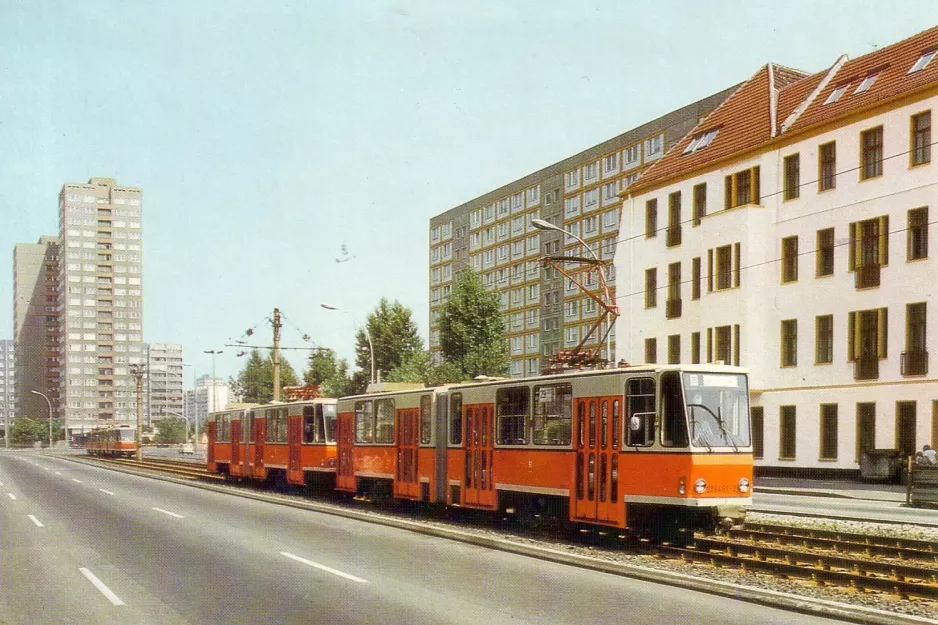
<point>266,133</point>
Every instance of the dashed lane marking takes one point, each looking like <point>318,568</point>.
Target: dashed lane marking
<point>172,514</point>
<point>106,492</point>
<point>76,481</point>
<point>35,520</point>
<point>57,473</point>
<point>104,590</point>
<point>11,496</point>
<point>322,567</point>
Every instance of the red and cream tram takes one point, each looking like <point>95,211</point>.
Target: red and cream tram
<point>120,440</point>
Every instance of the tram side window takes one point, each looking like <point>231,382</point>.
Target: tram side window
<point>455,416</point>
<point>364,422</point>
<point>425,428</point>
<point>553,414</point>
<point>310,429</point>
<point>674,423</point>
<point>222,428</point>
<point>328,413</point>
<point>511,412</point>
<point>276,424</point>
<point>384,421</point>
<point>640,397</point>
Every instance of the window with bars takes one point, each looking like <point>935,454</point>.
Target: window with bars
<point>871,163</point>
<point>827,166</point>
<point>792,186</point>
<point>789,343</point>
<point>921,139</point>
<point>723,344</point>
<point>824,339</point>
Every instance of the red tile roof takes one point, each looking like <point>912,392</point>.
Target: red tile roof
<point>745,121</point>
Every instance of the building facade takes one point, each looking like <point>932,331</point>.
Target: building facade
<point>544,312</point>
<point>209,395</point>
<point>7,385</point>
<point>788,233</point>
<point>100,301</point>
<point>164,382</point>
<point>36,331</point>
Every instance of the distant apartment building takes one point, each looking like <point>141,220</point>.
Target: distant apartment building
<point>543,312</point>
<point>36,326</point>
<point>209,395</point>
<point>82,293</point>
<point>7,384</point>
<point>164,382</point>
<point>789,233</point>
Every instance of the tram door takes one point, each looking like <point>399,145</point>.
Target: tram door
<point>236,467</point>
<point>259,437</point>
<point>479,487</point>
<point>407,481</point>
<point>596,489</point>
<point>294,440</point>
<point>345,432</point>
<point>210,460</point>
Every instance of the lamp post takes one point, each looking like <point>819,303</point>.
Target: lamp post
<point>213,352</point>
<point>541,224</point>
<point>185,404</point>
<point>371,346</point>
<point>49,404</point>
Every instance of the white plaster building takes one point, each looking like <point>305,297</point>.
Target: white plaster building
<point>788,233</point>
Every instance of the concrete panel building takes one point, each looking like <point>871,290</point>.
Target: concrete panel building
<point>209,395</point>
<point>543,312</point>
<point>164,382</point>
<point>7,385</point>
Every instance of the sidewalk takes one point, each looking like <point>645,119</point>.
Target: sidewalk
<point>872,491</point>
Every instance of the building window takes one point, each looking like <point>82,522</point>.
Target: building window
<point>866,428</point>
<point>827,166</point>
<point>742,188</point>
<point>724,267</point>
<point>828,424</point>
<point>758,427</point>
<point>918,233</point>
<point>825,252</point>
<point>651,287</point>
<point>674,349</point>
<point>736,345</point>
<point>871,164</point>
<point>921,138</point>
<point>867,341</point>
<point>786,434</point>
<point>922,61</point>
<point>789,345</point>
<point>674,219</point>
<point>700,202</point>
<point>915,357</point>
<point>869,243</point>
<point>651,218</point>
<point>651,351</point>
<point>695,280</point>
<point>673,305</point>
<point>824,339</point>
<point>723,345</point>
<point>790,259</point>
<point>695,348</point>
<point>792,176</point>
<point>905,428</point>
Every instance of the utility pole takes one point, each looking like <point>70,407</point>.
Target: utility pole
<point>138,371</point>
<point>275,355</point>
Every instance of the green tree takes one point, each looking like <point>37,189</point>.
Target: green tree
<point>25,431</point>
<point>418,367</point>
<point>170,430</point>
<point>255,383</point>
<point>394,335</point>
<point>329,372</point>
<point>471,333</point>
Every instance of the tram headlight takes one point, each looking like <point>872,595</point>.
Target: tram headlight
<point>743,485</point>
<point>681,488</point>
<point>700,486</point>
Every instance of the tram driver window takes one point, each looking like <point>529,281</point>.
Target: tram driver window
<point>674,420</point>
<point>511,412</point>
<point>640,420</point>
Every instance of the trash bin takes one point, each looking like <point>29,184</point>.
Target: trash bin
<point>879,464</point>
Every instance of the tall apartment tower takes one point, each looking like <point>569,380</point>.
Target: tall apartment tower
<point>164,381</point>
<point>209,395</point>
<point>100,301</point>
<point>7,367</point>
<point>36,326</point>
<point>542,311</point>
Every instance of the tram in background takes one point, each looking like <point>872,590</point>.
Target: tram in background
<point>119,440</point>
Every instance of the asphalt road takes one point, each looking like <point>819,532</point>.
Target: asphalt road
<point>81,544</point>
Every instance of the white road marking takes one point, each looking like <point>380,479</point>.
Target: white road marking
<point>47,468</point>
<point>76,481</point>
<point>35,520</point>
<point>1,483</point>
<point>173,514</point>
<point>57,473</point>
<point>104,590</point>
<point>107,492</point>
<point>323,568</point>
<point>11,496</point>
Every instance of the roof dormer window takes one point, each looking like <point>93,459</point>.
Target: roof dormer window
<point>923,61</point>
<point>836,93</point>
<point>701,140</point>
<point>866,84</point>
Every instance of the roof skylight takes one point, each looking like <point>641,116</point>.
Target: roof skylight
<point>836,93</point>
<point>701,140</point>
<point>866,84</point>
<point>923,61</point>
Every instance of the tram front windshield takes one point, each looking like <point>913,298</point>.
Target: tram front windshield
<point>717,409</point>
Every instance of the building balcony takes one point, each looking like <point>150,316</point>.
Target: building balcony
<point>867,276</point>
<point>866,368</point>
<point>914,362</point>
<point>672,309</point>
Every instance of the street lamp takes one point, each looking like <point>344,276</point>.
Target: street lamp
<point>186,404</point>
<point>542,224</point>
<point>48,403</point>
<point>213,352</point>
<point>371,347</point>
